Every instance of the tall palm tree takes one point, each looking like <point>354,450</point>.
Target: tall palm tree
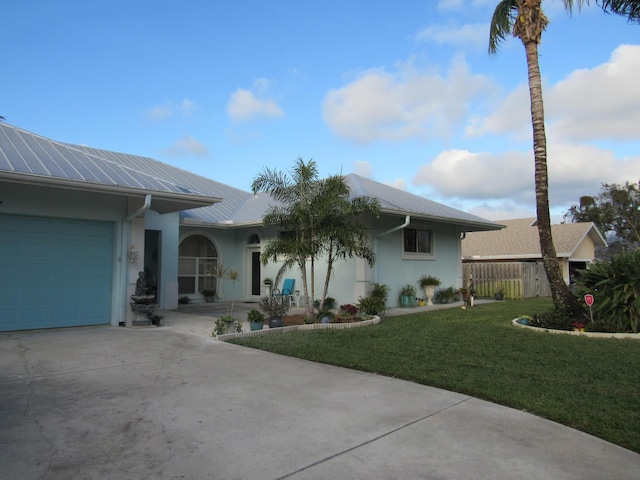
<point>524,19</point>
<point>626,8</point>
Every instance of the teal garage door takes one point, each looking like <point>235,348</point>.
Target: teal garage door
<point>54,272</point>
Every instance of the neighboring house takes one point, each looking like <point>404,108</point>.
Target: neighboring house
<point>575,245</point>
<point>77,224</point>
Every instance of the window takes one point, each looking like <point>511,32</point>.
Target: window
<point>417,241</point>
<point>196,263</point>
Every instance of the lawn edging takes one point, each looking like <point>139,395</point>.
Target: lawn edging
<point>312,326</point>
<point>635,336</point>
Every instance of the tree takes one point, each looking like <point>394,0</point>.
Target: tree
<point>317,217</point>
<point>524,19</point>
<point>341,233</point>
<point>626,8</point>
<point>616,209</point>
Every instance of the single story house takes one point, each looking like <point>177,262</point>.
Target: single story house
<point>77,225</point>
<point>575,245</point>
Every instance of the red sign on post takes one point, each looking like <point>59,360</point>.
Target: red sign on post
<point>588,298</point>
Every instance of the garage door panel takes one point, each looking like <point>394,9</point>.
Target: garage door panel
<point>59,272</point>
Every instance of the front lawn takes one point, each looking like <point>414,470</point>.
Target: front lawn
<point>589,384</point>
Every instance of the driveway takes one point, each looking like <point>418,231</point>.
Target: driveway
<point>116,403</point>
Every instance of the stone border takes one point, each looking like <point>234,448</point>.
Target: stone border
<point>635,336</point>
<point>294,328</point>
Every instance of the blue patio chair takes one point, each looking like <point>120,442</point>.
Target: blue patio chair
<point>287,291</point>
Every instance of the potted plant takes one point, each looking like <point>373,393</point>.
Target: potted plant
<point>464,293</point>
<point>275,309</point>
<point>184,300</point>
<point>209,295</point>
<point>499,294</point>
<point>325,314</point>
<point>407,295</point>
<point>268,284</point>
<point>429,284</point>
<point>445,295</point>
<point>226,324</point>
<point>256,319</point>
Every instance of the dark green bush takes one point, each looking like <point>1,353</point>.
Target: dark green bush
<point>615,286</point>
<point>553,320</point>
<point>376,302</point>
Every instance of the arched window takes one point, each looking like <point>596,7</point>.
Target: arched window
<point>196,263</point>
<point>254,239</point>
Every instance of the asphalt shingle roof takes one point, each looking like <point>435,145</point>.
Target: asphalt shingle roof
<point>519,239</point>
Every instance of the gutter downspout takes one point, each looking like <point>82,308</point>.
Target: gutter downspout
<point>407,221</point>
<point>124,241</point>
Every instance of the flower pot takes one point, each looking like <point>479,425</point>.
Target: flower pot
<point>276,322</point>
<point>422,303</point>
<point>406,301</point>
<point>256,325</point>
<point>429,290</point>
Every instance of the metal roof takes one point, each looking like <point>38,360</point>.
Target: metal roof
<point>31,156</point>
<point>400,202</point>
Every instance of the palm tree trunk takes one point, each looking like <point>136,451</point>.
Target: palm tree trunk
<point>563,299</point>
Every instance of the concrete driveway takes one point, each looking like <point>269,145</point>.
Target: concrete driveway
<point>116,403</point>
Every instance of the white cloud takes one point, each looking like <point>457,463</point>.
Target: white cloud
<point>512,116</point>
<point>161,112</point>
<point>502,210</point>
<point>574,170</point>
<point>464,5</point>
<point>463,174</point>
<point>399,183</point>
<point>245,105</point>
<point>364,169</point>
<point>186,146</point>
<point>602,102</point>
<point>404,104</point>
<point>590,104</point>
<point>474,34</point>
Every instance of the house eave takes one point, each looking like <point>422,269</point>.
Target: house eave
<point>466,225</point>
<point>163,202</point>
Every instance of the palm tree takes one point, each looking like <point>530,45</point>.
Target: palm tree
<point>524,19</point>
<point>318,217</point>
<point>341,231</point>
<point>295,214</point>
<point>626,8</point>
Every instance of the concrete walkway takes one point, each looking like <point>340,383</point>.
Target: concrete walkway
<point>172,403</point>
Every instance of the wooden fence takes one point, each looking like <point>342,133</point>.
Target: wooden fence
<point>516,279</point>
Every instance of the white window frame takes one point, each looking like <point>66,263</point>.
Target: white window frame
<point>419,255</point>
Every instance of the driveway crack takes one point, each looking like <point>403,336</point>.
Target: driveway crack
<point>375,439</point>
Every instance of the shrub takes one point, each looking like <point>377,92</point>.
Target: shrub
<point>376,302</point>
<point>615,286</point>
<point>349,309</point>
<point>553,320</point>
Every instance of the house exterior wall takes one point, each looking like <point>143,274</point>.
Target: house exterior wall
<point>168,225</point>
<point>585,251</point>
<point>351,278</point>
<point>395,269</point>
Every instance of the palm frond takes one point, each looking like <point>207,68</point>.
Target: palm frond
<point>502,21</point>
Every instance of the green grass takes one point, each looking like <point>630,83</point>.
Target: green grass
<point>589,384</point>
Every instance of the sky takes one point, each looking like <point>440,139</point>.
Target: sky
<point>403,93</point>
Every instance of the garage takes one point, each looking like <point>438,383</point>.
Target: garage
<point>54,272</point>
